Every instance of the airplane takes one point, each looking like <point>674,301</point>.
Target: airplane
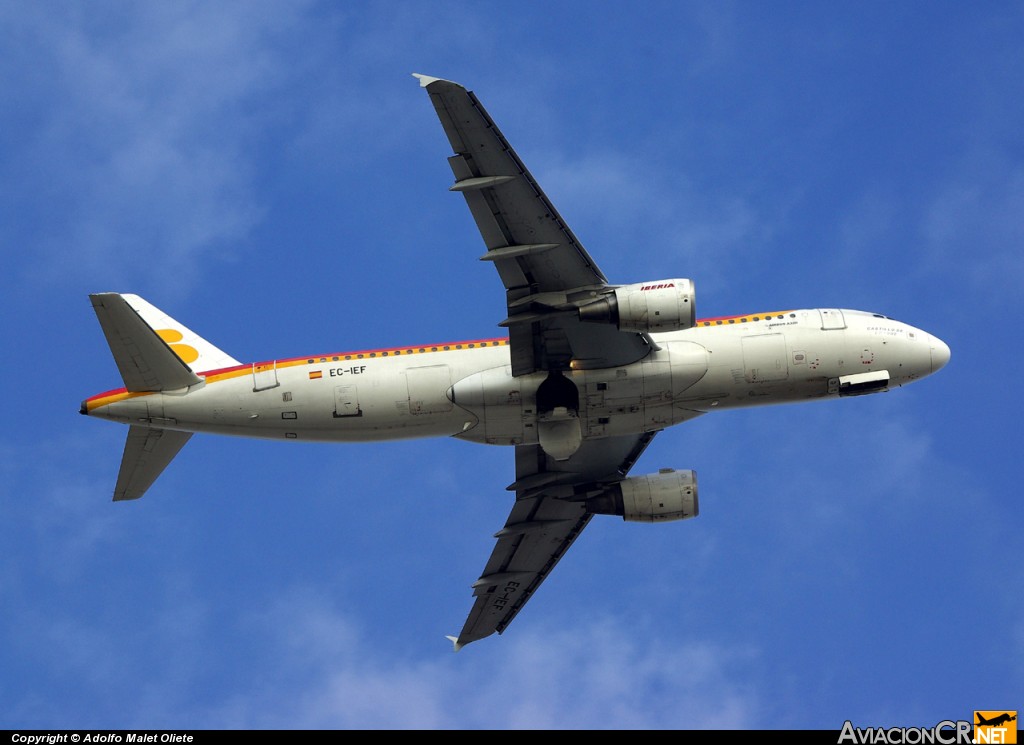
<point>995,721</point>
<point>587,375</point>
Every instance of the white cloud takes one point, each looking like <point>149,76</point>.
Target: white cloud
<point>596,675</point>
<point>146,120</point>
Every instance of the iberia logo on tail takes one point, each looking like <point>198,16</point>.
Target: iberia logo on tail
<point>187,354</point>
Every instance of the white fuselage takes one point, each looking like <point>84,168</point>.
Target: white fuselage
<point>466,389</point>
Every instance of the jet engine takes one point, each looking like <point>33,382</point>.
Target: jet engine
<point>657,497</point>
<point>663,305</point>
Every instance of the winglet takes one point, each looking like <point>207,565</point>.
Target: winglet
<point>454,640</point>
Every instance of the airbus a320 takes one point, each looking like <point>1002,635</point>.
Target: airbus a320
<point>587,375</point>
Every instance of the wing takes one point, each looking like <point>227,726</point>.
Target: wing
<point>547,273</point>
<point>550,511</point>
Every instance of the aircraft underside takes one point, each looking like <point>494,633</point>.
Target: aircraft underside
<point>588,375</point>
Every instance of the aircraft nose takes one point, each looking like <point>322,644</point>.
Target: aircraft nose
<point>939,352</point>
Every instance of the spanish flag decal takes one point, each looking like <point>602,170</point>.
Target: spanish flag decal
<point>316,375</point>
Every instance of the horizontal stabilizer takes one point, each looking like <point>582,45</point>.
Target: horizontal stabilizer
<point>146,454</point>
<point>145,360</point>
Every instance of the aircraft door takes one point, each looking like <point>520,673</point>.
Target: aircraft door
<point>346,401</point>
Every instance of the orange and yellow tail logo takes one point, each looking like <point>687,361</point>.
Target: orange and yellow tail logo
<point>187,354</point>
<point>995,727</point>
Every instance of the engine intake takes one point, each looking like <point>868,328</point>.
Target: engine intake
<point>657,497</point>
<point>663,305</point>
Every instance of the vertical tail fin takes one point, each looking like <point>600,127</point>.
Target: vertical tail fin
<point>153,352</point>
<point>193,349</point>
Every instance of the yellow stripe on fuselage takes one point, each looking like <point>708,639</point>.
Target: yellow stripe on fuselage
<point>775,315</point>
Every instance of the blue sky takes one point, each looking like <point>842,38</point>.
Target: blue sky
<point>271,175</point>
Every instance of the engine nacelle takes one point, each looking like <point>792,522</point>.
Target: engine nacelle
<point>663,305</point>
<point>654,498</point>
